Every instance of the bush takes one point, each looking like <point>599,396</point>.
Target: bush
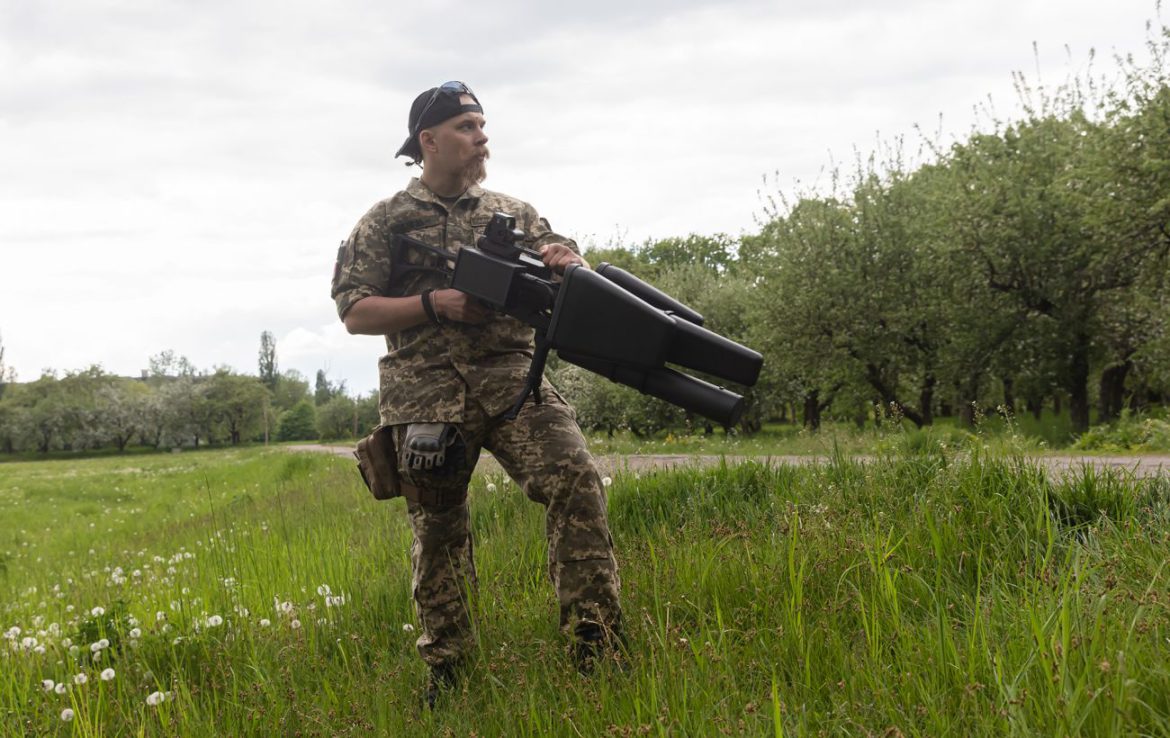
<point>1129,433</point>
<point>299,423</point>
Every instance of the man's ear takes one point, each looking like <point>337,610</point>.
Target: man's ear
<point>426,140</point>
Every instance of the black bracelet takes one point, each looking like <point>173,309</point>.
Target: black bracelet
<point>429,306</point>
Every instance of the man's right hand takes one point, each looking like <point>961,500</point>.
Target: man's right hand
<point>459,307</point>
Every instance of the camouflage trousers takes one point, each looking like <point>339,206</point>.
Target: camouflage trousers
<point>543,451</point>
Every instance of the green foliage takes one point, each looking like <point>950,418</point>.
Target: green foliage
<point>1132,433</point>
<point>336,419</point>
<point>299,423</point>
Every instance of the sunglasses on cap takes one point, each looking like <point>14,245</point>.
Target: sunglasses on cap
<point>453,87</point>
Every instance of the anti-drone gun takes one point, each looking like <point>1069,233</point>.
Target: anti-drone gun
<point>606,321</point>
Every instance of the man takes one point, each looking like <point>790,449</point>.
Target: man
<point>453,367</point>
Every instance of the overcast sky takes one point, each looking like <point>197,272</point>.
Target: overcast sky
<point>178,175</point>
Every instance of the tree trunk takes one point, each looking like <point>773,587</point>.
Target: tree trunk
<point>812,410</point>
<point>1111,398</point>
<point>1035,406</point>
<point>926,399</point>
<point>1009,395</point>
<point>1078,385</point>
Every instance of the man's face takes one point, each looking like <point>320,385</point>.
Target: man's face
<point>461,145</point>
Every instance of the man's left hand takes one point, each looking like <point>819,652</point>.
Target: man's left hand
<point>558,256</point>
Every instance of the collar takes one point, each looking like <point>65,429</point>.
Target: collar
<point>420,191</point>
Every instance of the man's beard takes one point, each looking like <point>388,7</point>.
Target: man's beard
<point>476,171</point>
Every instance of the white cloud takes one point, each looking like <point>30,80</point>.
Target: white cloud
<point>178,175</point>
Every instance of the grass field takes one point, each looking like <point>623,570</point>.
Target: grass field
<point>258,592</point>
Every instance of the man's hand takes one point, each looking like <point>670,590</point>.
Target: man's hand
<point>557,256</point>
<point>459,307</point>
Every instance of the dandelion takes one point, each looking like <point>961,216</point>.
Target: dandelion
<point>160,616</point>
<point>214,621</point>
<point>66,642</point>
<point>606,481</point>
<point>295,624</point>
<point>80,679</point>
<point>60,688</point>
<point>97,612</point>
<point>491,487</point>
<point>47,685</point>
<point>67,714</point>
<point>135,632</point>
<point>407,628</point>
<point>107,674</point>
<point>155,698</point>
<point>324,590</point>
<point>265,622</point>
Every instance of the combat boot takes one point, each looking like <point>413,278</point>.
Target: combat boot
<point>442,678</point>
<point>594,645</point>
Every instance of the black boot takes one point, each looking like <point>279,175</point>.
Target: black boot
<point>595,644</point>
<point>442,678</point>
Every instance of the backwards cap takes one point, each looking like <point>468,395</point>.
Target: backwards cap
<point>431,108</point>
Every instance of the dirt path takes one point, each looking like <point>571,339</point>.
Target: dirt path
<point>1141,466</point>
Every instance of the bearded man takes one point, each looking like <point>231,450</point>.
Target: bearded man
<point>453,368</point>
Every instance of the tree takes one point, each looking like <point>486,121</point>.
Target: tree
<point>291,388</point>
<point>299,423</point>
<point>166,364</point>
<point>121,411</point>
<point>268,373</point>
<point>324,390</point>
<point>335,419</point>
<point>238,402</point>
<point>7,373</point>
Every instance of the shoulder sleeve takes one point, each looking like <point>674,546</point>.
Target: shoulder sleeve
<point>363,261</point>
<point>537,230</point>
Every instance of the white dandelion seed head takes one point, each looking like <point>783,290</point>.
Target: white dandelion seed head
<point>38,650</point>
<point>214,621</point>
<point>80,678</point>
<point>295,624</point>
<point>107,675</point>
<point>66,642</point>
<point>606,481</point>
<point>67,714</point>
<point>491,487</point>
<point>407,628</point>
<point>155,698</point>
<point>324,590</point>
<point>97,612</point>
<point>265,622</point>
<point>135,632</point>
<point>48,685</point>
<point>60,688</point>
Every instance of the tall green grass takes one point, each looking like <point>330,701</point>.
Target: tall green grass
<point>264,593</point>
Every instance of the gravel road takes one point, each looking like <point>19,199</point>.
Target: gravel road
<point>1141,466</point>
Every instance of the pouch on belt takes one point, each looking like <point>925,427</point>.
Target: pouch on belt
<point>378,463</point>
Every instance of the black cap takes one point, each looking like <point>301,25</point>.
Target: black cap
<point>431,108</point>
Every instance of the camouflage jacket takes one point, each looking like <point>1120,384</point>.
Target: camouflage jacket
<point>430,370</point>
